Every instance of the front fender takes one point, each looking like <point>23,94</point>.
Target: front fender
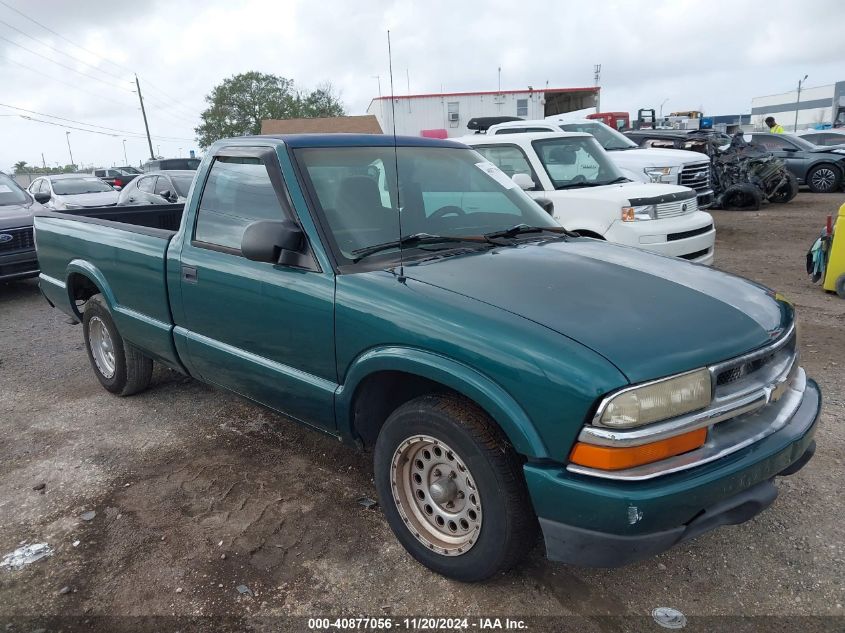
<point>465,380</point>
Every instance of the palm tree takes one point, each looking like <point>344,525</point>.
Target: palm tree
<point>20,166</point>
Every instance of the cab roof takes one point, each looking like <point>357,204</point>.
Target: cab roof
<point>499,139</point>
<point>344,140</point>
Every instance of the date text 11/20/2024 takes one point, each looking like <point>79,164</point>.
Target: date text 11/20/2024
<point>417,624</point>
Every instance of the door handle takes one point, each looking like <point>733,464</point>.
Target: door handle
<point>189,274</point>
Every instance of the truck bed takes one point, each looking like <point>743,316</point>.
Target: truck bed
<point>123,250</point>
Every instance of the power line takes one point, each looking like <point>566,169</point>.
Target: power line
<point>82,48</point>
<point>103,127</point>
<point>71,68</point>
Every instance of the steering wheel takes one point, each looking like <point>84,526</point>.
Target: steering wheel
<point>449,209</point>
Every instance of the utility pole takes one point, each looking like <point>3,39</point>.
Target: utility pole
<point>500,79</point>
<point>69,151</point>
<point>43,162</point>
<point>597,83</point>
<point>797,101</point>
<point>144,113</point>
<point>125,160</point>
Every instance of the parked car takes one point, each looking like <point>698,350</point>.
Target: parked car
<point>592,197</point>
<point>640,165</point>
<point>130,170</point>
<point>507,374</point>
<point>825,138</point>
<point>115,176</point>
<point>17,247</point>
<point>820,168</point>
<point>72,191</point>
<point>158,187</point>
<point>170,164</point>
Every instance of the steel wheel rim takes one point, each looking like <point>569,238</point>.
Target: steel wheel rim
<point>102,348</point>
<point>823,178</point>
<point>436,495</point>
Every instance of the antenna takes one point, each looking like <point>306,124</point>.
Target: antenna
<point>401,277</point>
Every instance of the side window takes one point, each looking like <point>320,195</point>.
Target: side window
<point>522,107</point>
<point>509,158</point>
<point>237,193</point>
<point>772,142</point>
<point>146,184</point>
<point>162,185</point>
<point>99,173</point>
<point>510,130</point>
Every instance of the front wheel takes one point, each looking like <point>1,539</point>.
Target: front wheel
<point>824,179</point>
<point>120,367</point>
<point>452,488</point>
<point>787,190</point>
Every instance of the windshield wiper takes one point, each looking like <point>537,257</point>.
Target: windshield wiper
<point>519,229</point>
<point>409,240</point>
<point>615,180</point>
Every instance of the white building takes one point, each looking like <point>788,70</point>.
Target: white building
<point>819,106</point>
<point>447,114</point>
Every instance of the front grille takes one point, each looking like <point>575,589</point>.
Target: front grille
<point>756,369</point>
<point>696,176</point>
<point>695,255</point>
<point>676,208</point>
<point>22,240</point>
<point>672,237</point>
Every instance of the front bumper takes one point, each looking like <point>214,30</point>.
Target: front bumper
<point>691,237</point>
<point>18,265</point>
<point>605,523</point>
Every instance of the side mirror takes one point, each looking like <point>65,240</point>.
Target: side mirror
<point>789,149</point>
<point>166,194</point>
<point>273,241</point>
<point>42,198</point>
<point>547,205</point>
<point>523,181</point>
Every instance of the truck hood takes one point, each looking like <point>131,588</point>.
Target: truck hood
<point>620,194</point>
<point>656,157</point>
<point>651,316</point>
<point>99,199</point>
<point>16,215</point>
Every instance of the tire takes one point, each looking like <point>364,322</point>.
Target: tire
<point>787,191</point>
<point>744,196</point>
<point>120,367</point>
<point>824,179</point>
<point>840,286</point>
<point>490,521</point>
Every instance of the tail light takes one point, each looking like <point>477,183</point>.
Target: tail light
<point>118,182</point>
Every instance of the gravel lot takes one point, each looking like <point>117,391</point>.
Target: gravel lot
<point>197,492</point>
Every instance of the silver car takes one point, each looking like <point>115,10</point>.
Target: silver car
<point>72,191</point>
<point>158,187</point>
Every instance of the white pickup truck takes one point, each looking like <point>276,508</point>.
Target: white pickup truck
<point>592,196</point>
<point>667,166</point>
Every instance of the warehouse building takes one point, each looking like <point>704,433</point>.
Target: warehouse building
<point>447,114</point>
<point>818,107</point>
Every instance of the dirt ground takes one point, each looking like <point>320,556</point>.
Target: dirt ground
<point>197,492</point>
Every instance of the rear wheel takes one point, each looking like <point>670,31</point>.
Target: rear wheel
<point>120,367</point>
<point>452,488</point>
<point>824,179</point>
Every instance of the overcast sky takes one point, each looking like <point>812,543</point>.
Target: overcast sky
<point>713,55</point>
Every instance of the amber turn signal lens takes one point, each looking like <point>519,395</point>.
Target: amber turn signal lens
<point>609,458</point>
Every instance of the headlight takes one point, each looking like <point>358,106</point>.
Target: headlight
<point>68,205</point>
<point>838,151</point>
<point>660,174</point>
<point>635,214</point>
<point>659,400</point>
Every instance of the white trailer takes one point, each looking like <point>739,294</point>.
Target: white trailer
<point>447,114</point>
<point>818,107</point>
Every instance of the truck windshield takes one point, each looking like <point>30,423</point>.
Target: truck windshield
<point>576,162</point>
<point>607,137</point>
<point>10,193</point>
<point>74,186</point>
<point>447,192</point>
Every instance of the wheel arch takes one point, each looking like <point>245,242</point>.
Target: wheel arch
<point>83,280</point>
<point>391,376</point>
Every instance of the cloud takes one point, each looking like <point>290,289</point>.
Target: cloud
<point>716,55</point>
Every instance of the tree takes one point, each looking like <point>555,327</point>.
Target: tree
<point>20,166</point>
<point>238,104</point>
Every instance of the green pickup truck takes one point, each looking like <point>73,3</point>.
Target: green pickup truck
<point>508,376</point>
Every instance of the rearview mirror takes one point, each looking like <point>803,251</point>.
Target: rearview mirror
<point>42,198</point>
<point>547,205</point>
<point>523,181</point>
<point>273,241</point>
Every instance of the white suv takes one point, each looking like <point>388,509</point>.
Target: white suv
<point>592,196</point>
<point>667,166</point>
